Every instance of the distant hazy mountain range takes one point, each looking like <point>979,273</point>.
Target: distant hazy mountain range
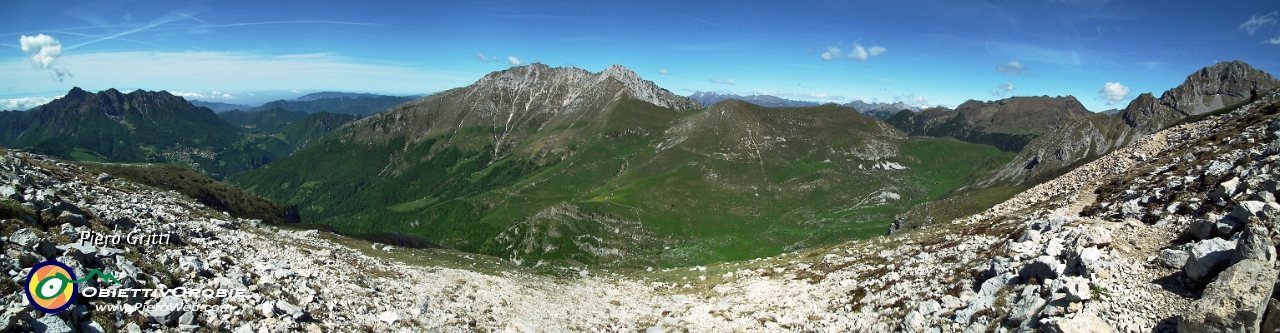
<point>155,126</point>
<point>219,106</point>
<point>878,110</point>
<point>327,101</point>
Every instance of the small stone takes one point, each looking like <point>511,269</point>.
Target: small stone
<point>1077,288</point>
<point>267,309</point>
<point>73,219</point>
<point>290,310</point>
<point>1172,258</point>
<point>1095,236</point>
<point>24,238</point>
<point>389,317</point>
<point>1201,229</point>
<point>167,310</point>
<point>1025,309</point>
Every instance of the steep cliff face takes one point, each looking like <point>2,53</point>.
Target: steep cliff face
<point>1082,139</point>
<point>1211,88</point>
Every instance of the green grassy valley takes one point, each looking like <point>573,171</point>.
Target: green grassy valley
<point>639,185</point>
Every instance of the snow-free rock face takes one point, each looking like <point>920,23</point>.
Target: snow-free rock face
<point>512,101</point>
<point>1210,88</point>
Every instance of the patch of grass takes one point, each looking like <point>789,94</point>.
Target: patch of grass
<point>209,192</point>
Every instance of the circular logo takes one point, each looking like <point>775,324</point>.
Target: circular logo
<point>50,288</point>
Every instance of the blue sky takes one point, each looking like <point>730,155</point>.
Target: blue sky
<point>924,52</point>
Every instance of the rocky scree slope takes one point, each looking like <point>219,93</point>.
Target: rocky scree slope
<point>1118,244</point>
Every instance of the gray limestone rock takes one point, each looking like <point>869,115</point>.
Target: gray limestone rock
<point>167,310</point>
<point>1081,323</point>
<point>24,238</point>
<point>1234,302</point>
<point>1246,209</point>
<point>1077,288</point>
<point>1025,309</point>
<point>1226,189</point>
<point>1094,236</point>
<point>1201,229</point>
<point>1271,322</point>
<point>50,324</point>
<point>1208,257</point>
<point>290,310</point>
<point>1172,258</point>
<point>1043,268</point>
<point>1254,243</point>
<point>985,297</point>
<point>73,219</point>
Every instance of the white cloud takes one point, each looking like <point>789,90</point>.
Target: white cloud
<point>1113,92</point>
<point>876,50</point>
<point>859,53</point>
<point>514,61</point>
<point>206,96</point>
<point>207,71</point>
<point>912,99</point>
<point>725,81</point>
<point>43,50</point>
<point>802,96</point>
<point>486,59</point>
<point>188,95</point>
<point>1273,41</point>
<point>832,53</point>
<point>1002,89</point>
<point>1256,22</point>
<point>663,71</point>
<point>24,103</point>
<point>1012,68</point>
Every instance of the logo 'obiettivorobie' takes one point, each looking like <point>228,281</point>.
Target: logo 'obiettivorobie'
<point>51,286</point>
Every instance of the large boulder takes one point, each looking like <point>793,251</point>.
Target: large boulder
<point>1246,209</point>
<point>1234,302</point>
<point>1208,257</point>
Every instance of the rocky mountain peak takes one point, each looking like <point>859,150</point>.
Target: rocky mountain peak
<point>1217,86</point>
<point>1211,88</point>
